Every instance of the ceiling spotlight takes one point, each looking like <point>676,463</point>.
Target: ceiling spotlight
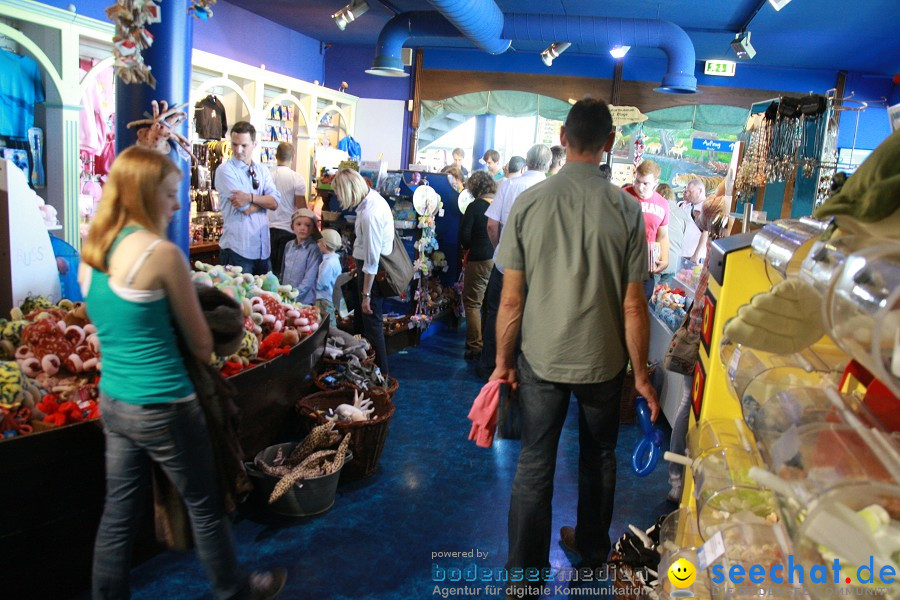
<point>350,13</point>
<point>779,4</point>
<point>619,51</point>
<point>742,46</point>
<point>553,51</point>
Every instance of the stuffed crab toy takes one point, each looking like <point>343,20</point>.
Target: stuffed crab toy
<point>361,410</point>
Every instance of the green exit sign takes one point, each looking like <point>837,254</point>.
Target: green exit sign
<point>722,68</point>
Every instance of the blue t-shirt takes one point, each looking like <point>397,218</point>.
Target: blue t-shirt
<point>20,89</point>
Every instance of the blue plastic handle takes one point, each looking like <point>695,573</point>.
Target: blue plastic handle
<point>647,450</point>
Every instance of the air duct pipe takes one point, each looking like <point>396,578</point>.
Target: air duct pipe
<point>604,33</point>
<point>597,32</point>
<point>396,32</point>
<point>481,21</point>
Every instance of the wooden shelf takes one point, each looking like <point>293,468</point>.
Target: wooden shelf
<point>203,247</point>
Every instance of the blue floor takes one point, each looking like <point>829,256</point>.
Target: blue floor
<point>434,491</point>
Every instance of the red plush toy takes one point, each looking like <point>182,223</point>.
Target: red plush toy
<point>272,346</point>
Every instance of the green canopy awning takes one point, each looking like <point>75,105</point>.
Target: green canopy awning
<point>714,118</point>
<point>508,103</point>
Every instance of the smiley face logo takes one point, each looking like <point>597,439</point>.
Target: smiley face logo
<point>682,573</point>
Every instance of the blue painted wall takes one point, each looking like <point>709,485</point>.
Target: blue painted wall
<point>349,63</point>
<point>240,35</point>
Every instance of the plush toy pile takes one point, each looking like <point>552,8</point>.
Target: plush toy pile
<point>669,305</point>
<point>273,321</point>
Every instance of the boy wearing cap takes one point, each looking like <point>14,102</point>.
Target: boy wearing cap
<point>302,256</point>
<point>328,272</point>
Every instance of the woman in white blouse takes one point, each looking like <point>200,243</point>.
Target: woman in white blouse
<point>374,237</point>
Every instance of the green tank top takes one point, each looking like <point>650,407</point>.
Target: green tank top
<point>141,363</point>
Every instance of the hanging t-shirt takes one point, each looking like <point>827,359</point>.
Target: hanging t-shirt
<point>20,89</point>
<point>209,117</point>
<point>656,212</point>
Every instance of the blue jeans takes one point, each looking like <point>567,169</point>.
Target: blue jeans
<point>254,266</point>
<point>544,406</point>
<point>678,441</point>
<point>175,437</point>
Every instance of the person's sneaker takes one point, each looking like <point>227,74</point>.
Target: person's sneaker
<point>265,585</point>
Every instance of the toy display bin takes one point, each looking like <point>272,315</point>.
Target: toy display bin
<point>818,456</point>
<point>688,273</point>
<point>714,434</point>
<point>762,374</point>
<point>774,420</point>
<point>679,531</point>
<point>367,437</point>
<point>749,545</point>
<point>725,493</point>
<point>784,244</point>
<point>863,311</point>
<point>854,523</point>
<point>306,498</point>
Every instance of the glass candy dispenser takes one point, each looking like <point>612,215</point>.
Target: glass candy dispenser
<point>784,244</point>
<point>863,311</point>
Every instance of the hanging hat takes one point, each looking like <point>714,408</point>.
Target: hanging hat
<point>332,239</point>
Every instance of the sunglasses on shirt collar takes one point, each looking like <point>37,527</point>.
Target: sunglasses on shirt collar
<point>253,180</point>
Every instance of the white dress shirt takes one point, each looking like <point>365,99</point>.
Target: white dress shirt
<point>506,196</point>
<point>374,231</point>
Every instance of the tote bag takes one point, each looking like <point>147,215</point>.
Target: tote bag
<point>395,270</point>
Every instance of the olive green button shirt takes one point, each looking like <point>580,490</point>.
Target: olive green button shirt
<point>580,240</point>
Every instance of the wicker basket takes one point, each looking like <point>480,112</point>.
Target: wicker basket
<point>367,437</point>
<point>626,406</point>
<point>392,387</point>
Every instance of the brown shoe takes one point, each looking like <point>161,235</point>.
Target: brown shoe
<point>567,540</point>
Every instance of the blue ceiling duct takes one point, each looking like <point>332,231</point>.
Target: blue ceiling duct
<point>478,20</point>
<point>605,32</point>
<point>396,32</point>
<point>597,32</point>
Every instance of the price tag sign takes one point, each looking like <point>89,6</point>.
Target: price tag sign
<point>720,68</point>
<point>710,551</point>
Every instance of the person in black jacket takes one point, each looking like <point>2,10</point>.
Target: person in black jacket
<point>473,237</point>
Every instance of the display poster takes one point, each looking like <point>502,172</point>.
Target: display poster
<point>28,260</point>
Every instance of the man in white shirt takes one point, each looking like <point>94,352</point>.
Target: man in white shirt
<point>537,161</point>
<point>694,197</point>
<point>292,188</point>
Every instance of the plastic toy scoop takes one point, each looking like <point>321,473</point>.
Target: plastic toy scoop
<point>647,450</point>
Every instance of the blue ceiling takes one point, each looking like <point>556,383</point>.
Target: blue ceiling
<point>856,36</point>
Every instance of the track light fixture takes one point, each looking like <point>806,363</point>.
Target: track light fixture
<point>350,13</point>
<point>619,51</point>
<point>552,51</point>
<point>742,46</point>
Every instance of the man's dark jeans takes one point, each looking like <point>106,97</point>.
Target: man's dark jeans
<point>372,326</point>
<point>489,310</point>
<point>258,266</point>
<point>544,406</point>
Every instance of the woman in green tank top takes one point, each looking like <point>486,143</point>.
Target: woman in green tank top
<point>140,297</point>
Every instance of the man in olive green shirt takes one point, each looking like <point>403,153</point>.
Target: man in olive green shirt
<point>578,244</point>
